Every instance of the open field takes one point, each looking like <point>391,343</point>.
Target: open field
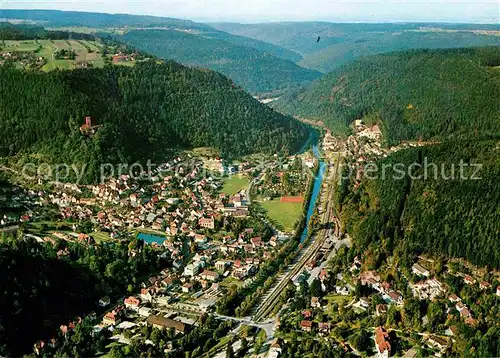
<point>234,184</point>
<point>284,215</point>
<point>25,45</point>
<point>89,52</point>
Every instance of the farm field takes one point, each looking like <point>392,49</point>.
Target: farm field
<point>87,52</point>
<point>282,214</point>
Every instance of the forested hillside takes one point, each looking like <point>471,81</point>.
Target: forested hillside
<point>262,46</point>
<point>414,94</point>
<point>455,214</point>
<point>254,70</point>
<point>442,205</point>
<point>47,290</point>
<point>144,111</point>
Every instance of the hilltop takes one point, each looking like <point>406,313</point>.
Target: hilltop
<point>144,110</point>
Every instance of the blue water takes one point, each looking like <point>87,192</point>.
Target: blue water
<point>149,238</point>
<point>318,180</point>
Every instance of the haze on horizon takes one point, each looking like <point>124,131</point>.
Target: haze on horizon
<point>464,11</point>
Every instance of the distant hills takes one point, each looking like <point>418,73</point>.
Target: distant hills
<point>255,65</point>
<point>264,57</point>
<point>145,111</point>
<point>57,18</point>
<point>341,43</point>
<point>419,94</point>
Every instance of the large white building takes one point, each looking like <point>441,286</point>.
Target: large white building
<point>192,269</point>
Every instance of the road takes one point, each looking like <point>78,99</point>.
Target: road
<point>9,228</point>
<point>267,326</point>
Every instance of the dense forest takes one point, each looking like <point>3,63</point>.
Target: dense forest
<point>48,289</point>
<point>436,207</point>
<point>414,94</point>
<point>144,111</point>
<point>25,32</point>
<point>248,67</point>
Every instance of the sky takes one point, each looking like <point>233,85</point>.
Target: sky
<point>482,11</point>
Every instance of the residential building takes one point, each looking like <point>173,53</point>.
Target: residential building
<point>207,223</point>
<point>103,302</point>
<point>111,319</point>
<point>469,280</point>
<point>192,269</point>
<point>146,295</point>
<point>274,350</point>
<point>144,311</point>
<point>132,303</point>
<point>220,265</point>
<point>382,342</point>
<point>437,342</point>
<point>209,275</point>
<point>162,322</point>
<point>484,285</point>
<point>306,326</point>
<point>419,270</point>
<point>315,302</point>
<point>324,328</point>
<point>381,309</point>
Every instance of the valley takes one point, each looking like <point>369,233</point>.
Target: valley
<point>180,189</point>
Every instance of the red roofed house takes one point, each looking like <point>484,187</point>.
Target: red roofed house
<point>306,326</point>
<point>111,318</point>
<point>209,275</point>
<point>187,287</point>
<point>382,342</point>
<point>256,242</point>
<point>119,58</point>
<point>132,303</point>
<point>323,274</point>
<point>484,285</point>
<point>469,280</point>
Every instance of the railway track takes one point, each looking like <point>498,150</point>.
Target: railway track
<point>314,247</point>
<point>269,302</point>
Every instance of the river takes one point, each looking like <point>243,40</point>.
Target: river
<point>318,180</point>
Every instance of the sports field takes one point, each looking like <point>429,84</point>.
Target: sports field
<point>234,184</point>
<point>283,214</point>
